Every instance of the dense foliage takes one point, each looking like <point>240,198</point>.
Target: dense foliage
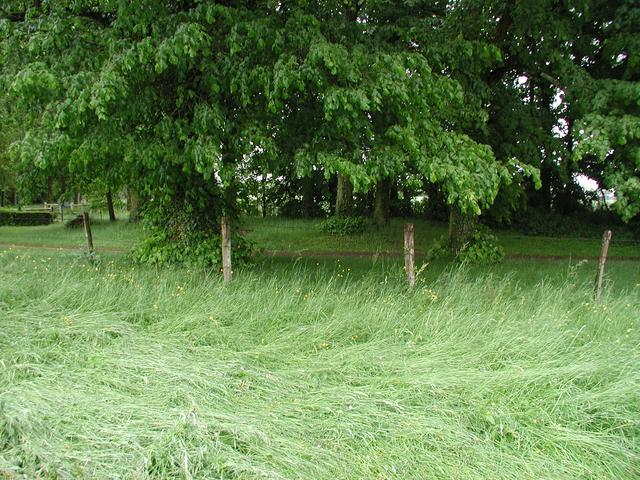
<point>344,226</point>
<point>200,106</point>
<point>179,236</point>
<point>481,247</point>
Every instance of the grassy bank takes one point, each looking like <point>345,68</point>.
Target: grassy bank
<point>331,371</point>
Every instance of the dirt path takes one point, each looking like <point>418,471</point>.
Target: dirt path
<point>321,253</point>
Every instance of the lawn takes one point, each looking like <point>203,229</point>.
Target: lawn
<point>314,369</point>
<point>117,235</point>
<point>305,237</point>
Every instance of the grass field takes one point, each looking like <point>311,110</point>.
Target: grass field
<point>316,369</point>
<point>305,237</point>
<point>312,368</point>
<point>120,234</point>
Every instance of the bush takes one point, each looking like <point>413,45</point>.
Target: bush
<point>25,218</point>
<point>344,226</point>
<point>482,248</point>
<point>534,221</point>
<point>74,222</point>
<point>182,240</point>
<point>199,250</point>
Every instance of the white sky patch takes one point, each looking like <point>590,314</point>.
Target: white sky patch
<point>557,99</point>
<point>587,184</point>
<point>561,129</point>
<point>604,197</point>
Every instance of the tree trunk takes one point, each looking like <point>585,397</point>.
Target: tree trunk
<point>133,205</point>
<point>436,207</point>
<point>229,207</point>
<point>546,175</point>
<point>566,201</point>
<point>407,208</point>
<point>604,199</point>
<point>1,198</point>
<point>381,209</point>
<point>461,228</point>
<point>344,197</point>
<point>307,197</point>
<point>112,212</point>
<point>63,190</point>
<point>344,193</point>
<point>49,189</point>
<point>264,195</point>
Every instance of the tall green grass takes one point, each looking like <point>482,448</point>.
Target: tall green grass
<point>114,371</point>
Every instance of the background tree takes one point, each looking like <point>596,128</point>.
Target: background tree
<point>8,168</point>
<point>186,103</point>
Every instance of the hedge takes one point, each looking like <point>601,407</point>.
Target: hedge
<point>13,217</point>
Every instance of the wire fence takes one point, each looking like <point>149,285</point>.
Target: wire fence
<point>294,237</point>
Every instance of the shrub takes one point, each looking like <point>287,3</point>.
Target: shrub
<point>482,248</point>
<point>74,222</point>
<point>344,226</point>
<point>199,250</point>
<point>25,218</point>
<point>535,221</point>
<point>181,239</point>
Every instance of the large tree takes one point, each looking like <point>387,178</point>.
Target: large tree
<point>608,131</point>
<point>564,97</point>
<point>173,97</point>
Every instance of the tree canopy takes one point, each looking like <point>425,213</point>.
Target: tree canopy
<point>482,99</point>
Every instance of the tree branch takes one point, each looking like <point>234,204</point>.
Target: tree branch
<point>553,81</point>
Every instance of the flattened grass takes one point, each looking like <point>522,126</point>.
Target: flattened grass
<point>114,371</point>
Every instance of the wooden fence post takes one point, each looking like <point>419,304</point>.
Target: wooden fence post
<point>409,254</point>
<point>225,230</point>
<point>606,239</point>
<point>87,231</point>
